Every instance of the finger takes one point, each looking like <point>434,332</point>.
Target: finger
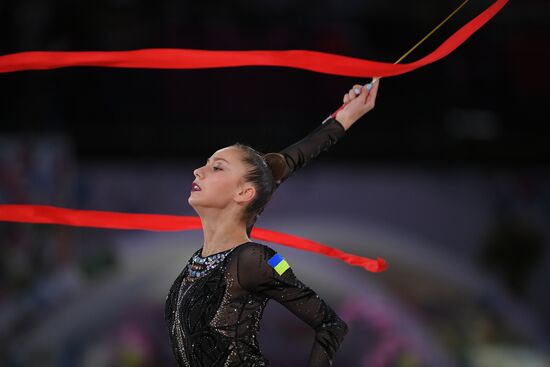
<point>374,81</point>
<point>354,91</point>
<point>374,89</point>
<point>357,88</point>
<point>364,92</point>
<point>371,98</point>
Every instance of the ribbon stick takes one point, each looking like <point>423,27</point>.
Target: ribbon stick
<point>375,79</point>
<point>197,59</point>
<point>154,222</point>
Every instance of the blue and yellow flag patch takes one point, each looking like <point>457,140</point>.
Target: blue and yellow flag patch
<point>278,263</point>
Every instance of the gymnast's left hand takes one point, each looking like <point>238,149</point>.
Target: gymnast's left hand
<point>357,104</point>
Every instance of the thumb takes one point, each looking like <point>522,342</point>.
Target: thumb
<point>369,86</point>
<point>364,93</point>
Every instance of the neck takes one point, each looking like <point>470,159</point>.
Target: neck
<point>221,231</point>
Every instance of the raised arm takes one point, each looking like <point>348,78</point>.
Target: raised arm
<point>357,102</point>
<point>320,139</point>
<point>261,271</point>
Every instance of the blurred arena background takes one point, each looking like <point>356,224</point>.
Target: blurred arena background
<point>447,179</point>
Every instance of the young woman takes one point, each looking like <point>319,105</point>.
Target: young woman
<point>214,307</point>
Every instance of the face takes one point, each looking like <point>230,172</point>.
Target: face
<point>221,182</point>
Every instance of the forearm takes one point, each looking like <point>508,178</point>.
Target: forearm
<point>346,124</point>
<point>320,139</point>
<point>256,275</point>
<point>328,338</point>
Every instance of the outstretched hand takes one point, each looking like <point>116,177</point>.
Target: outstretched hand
<point>357,102</point>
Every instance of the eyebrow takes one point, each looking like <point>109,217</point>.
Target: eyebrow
<point>223,159</point>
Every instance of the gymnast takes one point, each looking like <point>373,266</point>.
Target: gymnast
<point>214,307</point>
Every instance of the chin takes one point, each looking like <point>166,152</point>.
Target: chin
<point>195,202</point>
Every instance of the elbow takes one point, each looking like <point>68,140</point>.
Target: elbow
<point>335,330</point>
<point>341,329</point>
<point>346,328</point>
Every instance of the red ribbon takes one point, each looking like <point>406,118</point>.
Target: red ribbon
<point>197,59</point>
<point>155,222</point>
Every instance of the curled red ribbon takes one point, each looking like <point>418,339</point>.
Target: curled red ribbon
<point>197,59</point>
<point>154,222</point>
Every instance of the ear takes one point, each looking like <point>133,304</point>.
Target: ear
<point>246,193</point>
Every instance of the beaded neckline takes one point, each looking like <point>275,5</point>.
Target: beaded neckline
<point>199,256</point>
<point>201,265</point>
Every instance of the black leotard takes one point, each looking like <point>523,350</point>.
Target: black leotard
<point>214,307</point>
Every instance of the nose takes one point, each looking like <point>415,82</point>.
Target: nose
<point>197,172</point>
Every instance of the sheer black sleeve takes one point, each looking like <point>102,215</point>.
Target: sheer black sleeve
<point>260,270</point>
<point>320,139</point>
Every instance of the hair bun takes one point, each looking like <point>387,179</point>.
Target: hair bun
<point>278,166</point>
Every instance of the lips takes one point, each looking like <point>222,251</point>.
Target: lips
<point>195,187</point>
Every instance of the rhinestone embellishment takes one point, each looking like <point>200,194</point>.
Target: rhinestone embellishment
<point>202,265</point>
